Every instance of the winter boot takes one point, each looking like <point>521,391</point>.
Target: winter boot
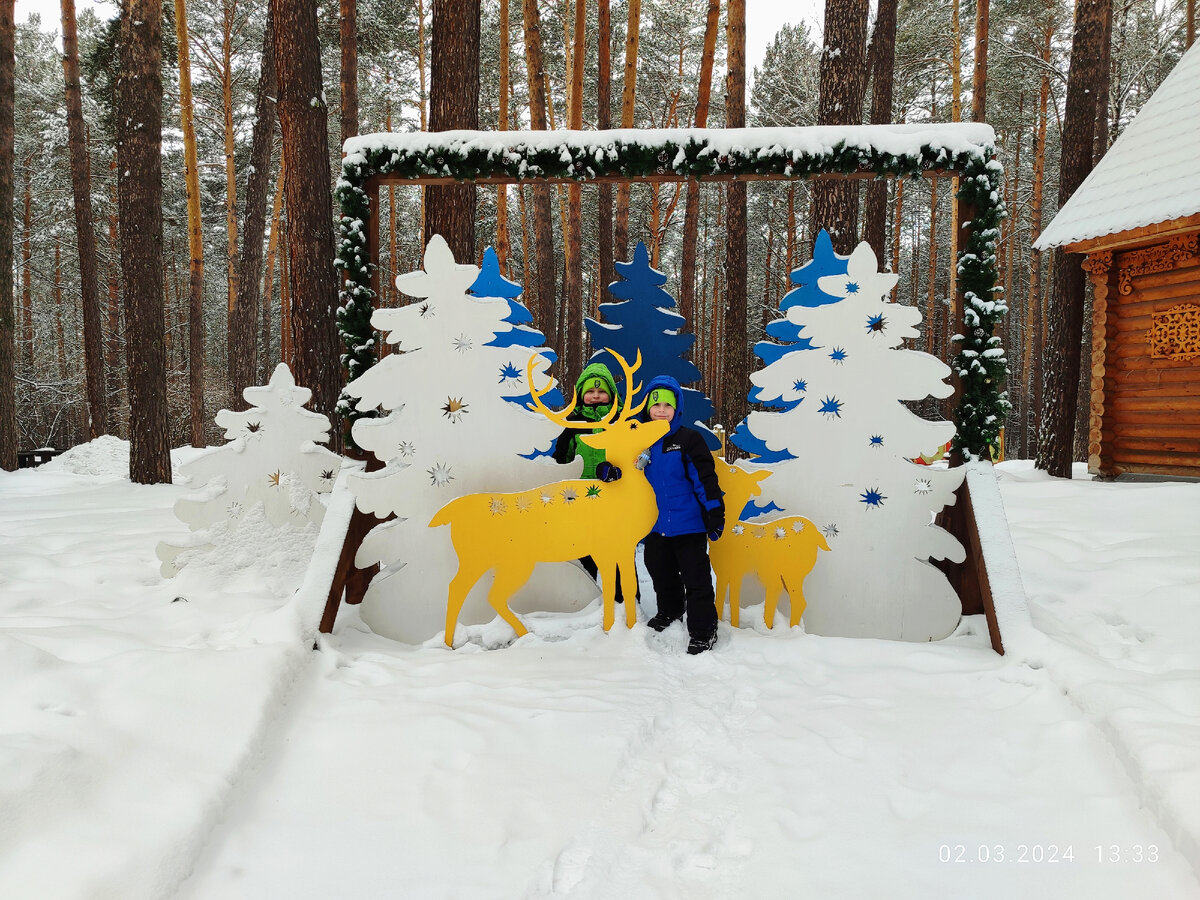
<point>700,644</point>
<point>660,621</point>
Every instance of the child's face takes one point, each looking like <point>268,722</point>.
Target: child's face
<point>595,397</point>
<point>662,412</point>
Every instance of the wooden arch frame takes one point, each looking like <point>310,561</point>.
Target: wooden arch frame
<point>966,150</point>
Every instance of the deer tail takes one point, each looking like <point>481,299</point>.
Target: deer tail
<point>445,515</point>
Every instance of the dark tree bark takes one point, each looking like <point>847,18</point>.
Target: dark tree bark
<point>454,103</point>
<point>139,192</point>
<point>882,64</point>
<point>303,121</point>
<point>8,325</point>
<point>543,229</point>
<point>573,239</point>
<point>691,205</point>
<point>604,193</point>
<point>348,39</point>
<point>979,76</point>
<point>835,201</point>
<point>85,229</point>
<point>1062,352</point>
<point>243,336</point>
<point>735,367</point>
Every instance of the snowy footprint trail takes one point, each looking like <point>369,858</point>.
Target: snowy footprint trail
<point>578,764</point>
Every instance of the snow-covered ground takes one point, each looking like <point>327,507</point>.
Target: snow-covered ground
<point>180,738</point>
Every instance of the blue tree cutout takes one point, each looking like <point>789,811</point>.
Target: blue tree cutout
<point>643,320</point>
<point>520,333</point>
<point>788,339</point>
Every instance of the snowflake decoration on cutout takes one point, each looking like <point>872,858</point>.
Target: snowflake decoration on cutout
<point>831,407</point>
<point>407,449</point>
<point>872,498</point>
<point>830,530</point>
<point>876,323</point>
<point>509,372</point>
<point>440,474</point>
<point>876,440</point>
<point>593,490</point>
<point>739,529</point>
<point>462,343</point>
<point>838,355</point>
<point>455,409</point>
<point>800,385</point>
<point>924,486</point>
<point>570,495</point>
<point>780,533</point>
<point>797,526</point>
<point>497,507</point>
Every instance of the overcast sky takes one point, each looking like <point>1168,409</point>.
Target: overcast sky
<point>763,19</point>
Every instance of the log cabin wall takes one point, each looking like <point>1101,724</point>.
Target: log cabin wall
<point>1145,411</point>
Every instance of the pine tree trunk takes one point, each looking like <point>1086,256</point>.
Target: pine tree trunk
<point>303,120</point>
<point>628,98</point>
<point>112,350</point>
<point>231,222</point>
<point>604,193</point>
<point>286,340</point>
<point>691,203</point>
<point>502,248</point>
<point>897,223</point>
<point>1102,92</point>
<point>139,190</point>
<point>58,311</point>
<point>882,65</point>
<point>273,245</point>
<point>573,265</point>
<point>1066,308</point>
<point>243,324</point>
<point>979,76</point>
<point>735,367</point>
<point>348,40</point>
<point>454,104</point>
<point>955,116</point>
<point>1033,313</point>
<point>932,316</point>
<point>195,232</point>
<point>85,229</point>
<point>835,201</point>
<point>27,265</point>
<point>8,356</point>
<point>543,230</point>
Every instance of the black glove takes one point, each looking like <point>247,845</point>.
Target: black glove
<point>606,472</point>
<point>714,522</point>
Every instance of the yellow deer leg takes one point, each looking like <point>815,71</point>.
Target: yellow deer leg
<point>722,590</point>
<point>506,584</point>
<point>630,600</point>
<point>798,602</point>
<point>774,588</point>
<point>460,585</point>
<point>735,600</point>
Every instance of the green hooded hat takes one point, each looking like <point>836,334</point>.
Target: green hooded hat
<point>596,373</point>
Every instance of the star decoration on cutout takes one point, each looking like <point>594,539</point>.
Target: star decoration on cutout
<point>254,427</point>
<point>838,355</point>
<point>872,498</point>
<point>234,509</point>
<point>509,372</point>
<point>780,533</point>
<point>593,490</point>
<point>427,311</point>
<point>739,529</point>
<point>876,323</point>
<point>440,474</point>
<point>406,449</point>
<point>797,526</point>
<point>462,343</point>
<point>800,385</point>
<point>831,407</point>
<point>760,532</point>
<point>570,495</point>
<point>524,504</point>
<point>830,530</point>
<point>876,440</point>
<point>497,507</point>
<point>275,478</point>
<point>924,486</point>
<point>547,499</point>
<point>454,409</point>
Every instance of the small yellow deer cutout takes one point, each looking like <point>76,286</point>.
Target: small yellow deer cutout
<point>558,522</point>
<point>780,553</point>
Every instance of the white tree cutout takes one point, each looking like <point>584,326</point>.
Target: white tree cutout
<point>273,458</point>
<point>841,444</point>
<point>454,423</point>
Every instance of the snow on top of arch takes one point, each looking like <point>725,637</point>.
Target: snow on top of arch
<point>957,137</point>
<point>1149,175</point>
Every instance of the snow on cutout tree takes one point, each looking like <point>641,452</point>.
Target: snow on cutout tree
<point>273,458</point>
<point>840,443</point>
<point>455,424</point>
<point>642,321</point>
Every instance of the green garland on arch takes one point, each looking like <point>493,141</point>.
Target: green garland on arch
<point>980,362</point>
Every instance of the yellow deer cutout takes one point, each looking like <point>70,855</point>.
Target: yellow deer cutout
<point>780,553</point>
<point>558,522</point>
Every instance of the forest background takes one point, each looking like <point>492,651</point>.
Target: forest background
<point>934,44</point>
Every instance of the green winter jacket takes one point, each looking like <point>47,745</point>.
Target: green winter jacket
<point>568,445</point>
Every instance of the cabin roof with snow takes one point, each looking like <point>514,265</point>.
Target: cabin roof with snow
<point>1149,176</point>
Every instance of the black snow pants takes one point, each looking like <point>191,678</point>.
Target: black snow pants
<point>679,568</point>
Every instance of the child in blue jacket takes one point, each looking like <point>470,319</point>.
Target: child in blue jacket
<point>690,511</point>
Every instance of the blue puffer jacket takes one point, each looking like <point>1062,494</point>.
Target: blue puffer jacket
<point>682,473</point>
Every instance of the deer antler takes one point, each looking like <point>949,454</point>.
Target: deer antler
<point>559,417</point>
<point>630,387</point>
